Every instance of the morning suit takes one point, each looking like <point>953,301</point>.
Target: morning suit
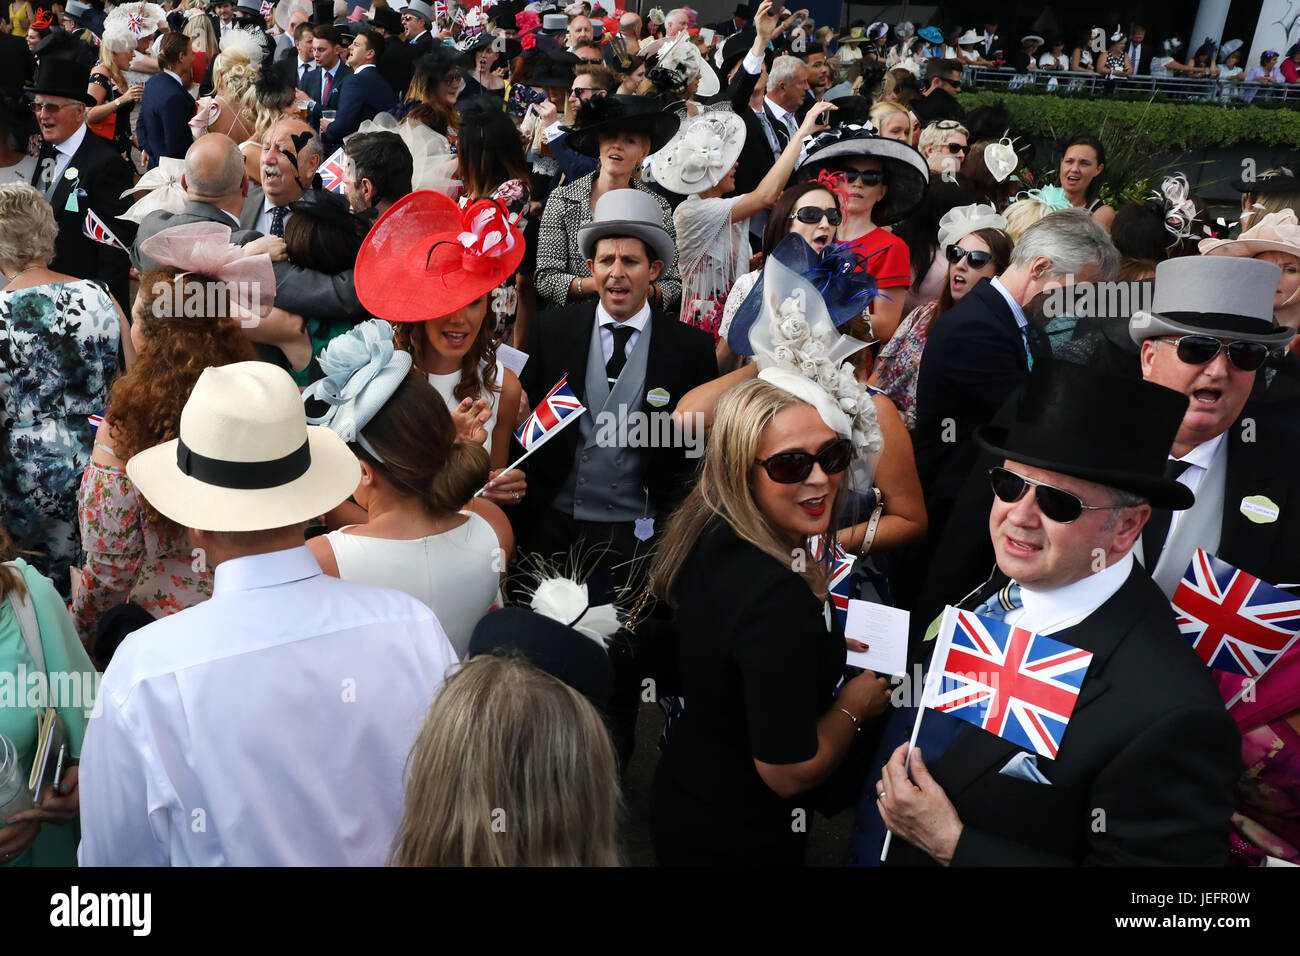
<point>397,65</point>
<point>94,178</point>
<point>422,44</point>
<point>194,211</point>
<point>365,94</point>
<point>757,158</point>
<point>1145,771</point>
<point>163,128</point>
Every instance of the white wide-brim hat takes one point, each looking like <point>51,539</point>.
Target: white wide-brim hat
<point>701,154</point>
<point>681,54</point>
<point>967,38</point>
<point>1275,232</point>
<point>246,459</point>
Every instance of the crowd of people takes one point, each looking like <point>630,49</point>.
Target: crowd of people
<point>397,400</point>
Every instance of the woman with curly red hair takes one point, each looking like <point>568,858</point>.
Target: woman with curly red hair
<point>133,553</point>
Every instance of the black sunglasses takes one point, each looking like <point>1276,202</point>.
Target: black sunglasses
<point>1060,506</point>
<point>956,148</point>
<point>869,177</point>
<point>977,258</point>
<point>792,467</point>
<point>813,215</point>
<point>1203,349</point>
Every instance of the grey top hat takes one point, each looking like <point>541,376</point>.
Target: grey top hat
<point>75,9</point>
<point>250,6</point>
<point>1222,296</point>
<point>420,9</point>
<point>628,212</point>
<point>555,23</point>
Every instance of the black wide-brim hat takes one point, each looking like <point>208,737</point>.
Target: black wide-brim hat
<point>1089,424</point>
<point>616,113</point>
<point>550,646</point>
<point>906,172</point>
<point>57,76</point>
<point>552,70</point>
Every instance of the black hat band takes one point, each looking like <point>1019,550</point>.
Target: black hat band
<point>243,475</point>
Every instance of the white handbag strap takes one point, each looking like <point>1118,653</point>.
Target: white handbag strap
<point>25,611</point>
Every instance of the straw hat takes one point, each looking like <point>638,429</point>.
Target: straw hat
<point>246,459</point>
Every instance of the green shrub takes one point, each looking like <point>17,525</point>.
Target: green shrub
<point>1149,124</point>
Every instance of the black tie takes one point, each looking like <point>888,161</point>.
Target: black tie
<point>1157,528</point>
<point>614,367</point>
<point>277,220</point>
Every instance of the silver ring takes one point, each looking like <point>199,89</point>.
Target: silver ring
<point>515,495</point>
<point>880,795</point>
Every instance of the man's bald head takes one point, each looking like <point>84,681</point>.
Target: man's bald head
<point>214,169</point>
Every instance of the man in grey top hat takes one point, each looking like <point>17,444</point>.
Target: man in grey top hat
<point>417,18</point>
<point>1208,332</point>
<point>609,482</point>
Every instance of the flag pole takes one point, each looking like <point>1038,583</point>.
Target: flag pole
<point>938,661</point>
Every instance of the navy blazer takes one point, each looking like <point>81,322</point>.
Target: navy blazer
<point>163,128</point>
<point>315,82</point>
<point>364,95</point>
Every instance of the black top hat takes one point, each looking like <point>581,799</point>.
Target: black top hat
<point>743,12</point>
<point>617,113</point>
<point>387,18</point>
<point>552,70</point>
<point>1100,427</point>
<point>322,11</point>
<point>503,14</point>
<point>549,645</point>
<point>56,76</point>
<point>734,49</point>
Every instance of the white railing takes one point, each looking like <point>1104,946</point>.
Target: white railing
<point>1100,85</point>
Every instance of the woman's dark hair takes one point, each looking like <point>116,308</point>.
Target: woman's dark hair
<point>778,222</point>
<point>920,230</point>
<point>430,70</point>
<point>987,122</point>
<point>324,245</point>
<point>414,435</point>
<point>1087,139</point>
<point>987,188</point>
<point>488,151</point>
<point>999,244</point>
<point>1139,231</point>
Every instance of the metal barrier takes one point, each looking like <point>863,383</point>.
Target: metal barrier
<point>1101,85</point>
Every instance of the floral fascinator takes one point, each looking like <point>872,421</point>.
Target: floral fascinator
<point>204,248</point>
<point>362,371</point>
<point>798,349</point>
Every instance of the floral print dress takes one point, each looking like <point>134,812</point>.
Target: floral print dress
<point>58,356</point>
<point>126,560</point>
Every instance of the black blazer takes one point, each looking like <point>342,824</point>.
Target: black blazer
<point>757,157</point>
<point>1147,767</point>
<point>165,112</point>
<point>973,361</point>
<point>287,63</point>
<point>104,175</point>
<point>364,94</point>
<point>680,358</point>
<point>16,62</point>
<point>397,65</point>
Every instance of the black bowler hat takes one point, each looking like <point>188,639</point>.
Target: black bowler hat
<point>56,76</point>
<point>549,645</point>
<point>1096,426</point>
<point>616,113</point>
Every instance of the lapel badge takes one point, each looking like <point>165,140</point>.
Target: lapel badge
<point>1260,509</point>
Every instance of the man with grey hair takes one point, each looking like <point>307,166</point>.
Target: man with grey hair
<point>787,97</point>
<point>984,348</point>
<point>676,21</point>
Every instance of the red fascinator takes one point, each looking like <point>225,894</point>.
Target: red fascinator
<point>426,257</point>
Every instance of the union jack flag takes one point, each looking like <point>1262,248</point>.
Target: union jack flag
<point>841,572</point>
<point>334,172</point>
<point>1235,621</point>
<point>135,23</point>
<point>487,4</point>
<point>267,6</point>
<point>459,16</point>
<point>439,8</point>
<point>95,420</point>
<point>557,409</point>
<point>94,228</point>
<point>1010,681</point>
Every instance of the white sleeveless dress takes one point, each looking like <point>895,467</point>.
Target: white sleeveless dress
<point>446,385</point>
<point>455,573</point>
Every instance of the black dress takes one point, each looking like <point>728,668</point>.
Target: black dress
<point>759,665</point>
<point>121,119</point>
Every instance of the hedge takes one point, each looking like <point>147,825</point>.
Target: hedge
<point>1157,125</point>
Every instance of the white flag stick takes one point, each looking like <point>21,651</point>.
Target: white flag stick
<point>938,661</point>
<point>564,423</point>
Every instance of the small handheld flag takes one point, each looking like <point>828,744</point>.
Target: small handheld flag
<point>334,173</point>
<point>439,8</point>
<point>267,7</point>
<point>840,575</point>
<point>559,408</point>
<point>1235,621</point>
<point>94,228</point>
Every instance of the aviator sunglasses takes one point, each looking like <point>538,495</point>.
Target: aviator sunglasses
<point>1060,506</point>
<point>792,467</point>
<point>978,258</point>
<point>811,215</point>
<point>1203,349</point>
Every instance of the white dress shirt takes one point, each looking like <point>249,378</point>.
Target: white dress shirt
<point>304,67</point>
<point>1198,463</point>
<point>637,323</point>
<point>65,151</point>
<point>267,726</point>
<point>1045,612</point>
<point>784,117</point>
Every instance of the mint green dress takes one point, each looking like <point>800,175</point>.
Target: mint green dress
<point>56,843</point>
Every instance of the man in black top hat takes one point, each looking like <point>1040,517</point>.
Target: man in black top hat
<point>79,171</point>
<point>1146,768</point>
<point>397,64</point>
<point>740,18</point>
<point>16,62</point>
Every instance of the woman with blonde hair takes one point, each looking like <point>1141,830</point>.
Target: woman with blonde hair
<point>893,120</point>
<point>203,40</point>
<point>512,767</point>
<point>115,96</point>
<point>237,67</point>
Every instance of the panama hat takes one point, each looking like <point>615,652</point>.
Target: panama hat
<point>1079,421</point>
<point>1220,295</point>
<point>426,257</point>
<point>628,212</point>
<point>616,113</point>
<point>701,154</point>
<point>246,459</point>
